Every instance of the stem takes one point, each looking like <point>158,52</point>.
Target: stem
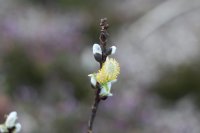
<point>94,110</point>
<point>103,39</point>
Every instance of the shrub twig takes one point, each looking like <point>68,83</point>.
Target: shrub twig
<point>103,40</point>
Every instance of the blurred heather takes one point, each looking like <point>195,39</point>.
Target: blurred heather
<point>45,50</point>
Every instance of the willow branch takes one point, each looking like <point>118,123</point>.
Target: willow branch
<point>103,39</point>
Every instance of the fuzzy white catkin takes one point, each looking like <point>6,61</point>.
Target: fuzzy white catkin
<point>11,119</point>
<point>93,81</point>
<point>96,49</point>
<point>17,128</point>
<point>114,48</point>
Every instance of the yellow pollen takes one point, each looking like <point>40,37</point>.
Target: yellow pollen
<point>109,71</point>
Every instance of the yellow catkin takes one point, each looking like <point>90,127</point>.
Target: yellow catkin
<point>109,71</point>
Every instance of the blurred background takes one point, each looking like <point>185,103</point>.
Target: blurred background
<point>46,55</point>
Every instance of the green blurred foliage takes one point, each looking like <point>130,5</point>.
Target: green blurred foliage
<point>68,68</point>
<point>21,70</point>
<point>67,124</point>
<point>175,84</point>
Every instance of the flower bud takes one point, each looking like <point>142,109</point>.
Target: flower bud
<point>111,50</point>
<point>17,128</point>
<point>97,52</point>
<point>114,48</point>
<point>11,119</point>
<point>105,90</point>
<point>96,49</point>
<point>93,80</point>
